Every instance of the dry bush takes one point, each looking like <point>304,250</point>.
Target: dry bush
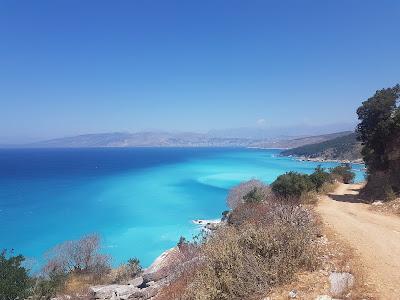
<point>237,195</point>
<point>247,259</point>
<point>329,187</point>
<point>181,267</point>
<point>125,272</point>
<point>310,197</point>
<point>79,256</point>
<point>78,284</point>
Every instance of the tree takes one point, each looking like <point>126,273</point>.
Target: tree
<point>344,173</point>
<point>14,278</point>
<point>379,121</point>
<point>292,184</point>
<point>80,256</point>
<point>379,132</point>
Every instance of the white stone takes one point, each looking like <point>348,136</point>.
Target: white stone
<point>341,283</point>
<point>323,297</point>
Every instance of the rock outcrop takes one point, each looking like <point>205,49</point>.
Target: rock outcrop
<point>142,287</point>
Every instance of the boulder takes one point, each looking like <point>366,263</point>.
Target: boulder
<point>113,291</point>
<point>136,281</point>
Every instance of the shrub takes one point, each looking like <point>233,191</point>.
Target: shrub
<point>134,267</point>
<point>343,173</point>
<point>249,191</point>
<point>14,279</point>
<point>79,256</point>
<point>292,184</point>
<point>246,261</point>
<point>128,271</point>
<point>319,178</point>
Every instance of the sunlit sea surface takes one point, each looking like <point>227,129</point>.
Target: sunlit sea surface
<point>140,200</point>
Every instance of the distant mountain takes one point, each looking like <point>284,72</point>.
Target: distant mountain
<point>298,142</point>
<point>340,148</point>
<point>142,139</point>
<point>180,139</point>
<point>275,132</point>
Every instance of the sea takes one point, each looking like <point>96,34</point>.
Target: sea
<point>139,200</point>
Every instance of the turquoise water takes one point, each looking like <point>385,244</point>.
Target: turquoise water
<point>139,200</point>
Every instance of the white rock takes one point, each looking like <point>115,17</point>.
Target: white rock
<point>292,294</point>
<point>136,281</point>
<point>113,291</point>
<point>341,283</point>
<point>323,297</point>
<point>377,203</point>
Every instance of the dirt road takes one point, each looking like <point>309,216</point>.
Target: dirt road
<point>374,236</point>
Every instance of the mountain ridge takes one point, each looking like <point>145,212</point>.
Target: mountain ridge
<point>177,139</point>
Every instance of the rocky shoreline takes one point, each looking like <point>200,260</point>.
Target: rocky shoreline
<point>147,286</point>
<point>321,159</point>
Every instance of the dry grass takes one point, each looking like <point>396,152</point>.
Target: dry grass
<point>78,284</point>
<point>390,207</point>
<point>334,255</point>
<point>264,245</point>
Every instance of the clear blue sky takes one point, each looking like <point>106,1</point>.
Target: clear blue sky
<point>73,66</point>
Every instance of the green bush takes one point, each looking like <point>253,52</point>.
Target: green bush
<point>14,278</point>
<point>47,287</point>
<point>256,195</point>
<point>248,191</point>
<point>344,173</point>
<point>292,184</point>
<point>319,178</point>
<point>134,267</point>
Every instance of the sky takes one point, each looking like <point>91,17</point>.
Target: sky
<point>72,67</point>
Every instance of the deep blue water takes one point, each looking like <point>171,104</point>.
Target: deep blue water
<point>140,200</point>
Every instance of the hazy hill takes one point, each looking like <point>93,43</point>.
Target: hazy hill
<point>181,139</point>
<point>340,148</point>
<point>297,142</point>
<point>143,139</point>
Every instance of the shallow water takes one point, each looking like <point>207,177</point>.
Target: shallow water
<point>140,200</point>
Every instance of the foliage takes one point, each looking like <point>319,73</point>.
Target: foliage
<point>255,195</point>
<point>79,256</point>
<point>249,191</point>
<point>341,148</point>
<point>247,260</point>
<point>378,122</point>
<point>134,267</point>
<point>319,178</point>
<point>128,271</point>
<point>292,184</point>
<point>343,173</point>
<point>379,132</point>
<point>14,278</point>
<point>47,287</point>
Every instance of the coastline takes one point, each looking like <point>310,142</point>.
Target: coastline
<point>321,159</point>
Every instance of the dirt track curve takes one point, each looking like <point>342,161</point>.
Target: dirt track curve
<point>374,236</point>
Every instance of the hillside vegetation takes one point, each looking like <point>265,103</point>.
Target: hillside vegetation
<point>298,142</point>
<point>340,148</point>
